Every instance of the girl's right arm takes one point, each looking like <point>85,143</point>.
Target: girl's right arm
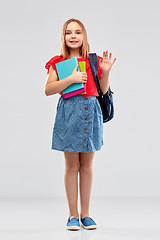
<point>53,85</point>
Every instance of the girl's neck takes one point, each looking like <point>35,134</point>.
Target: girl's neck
<point>74,54</point>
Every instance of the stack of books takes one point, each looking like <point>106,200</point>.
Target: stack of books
<point>65,69</point>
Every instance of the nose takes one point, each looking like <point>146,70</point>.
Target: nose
<point>73,35</point>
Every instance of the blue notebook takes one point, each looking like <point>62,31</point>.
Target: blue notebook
<point>65,69</point>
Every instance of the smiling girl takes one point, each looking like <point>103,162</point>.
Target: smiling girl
<point>78,126</point>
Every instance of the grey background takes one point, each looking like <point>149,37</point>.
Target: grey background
<point>128,163</point>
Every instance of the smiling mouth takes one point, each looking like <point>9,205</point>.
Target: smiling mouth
<point>73,41</point>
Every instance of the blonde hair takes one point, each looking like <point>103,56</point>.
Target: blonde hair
<point>85,48</point>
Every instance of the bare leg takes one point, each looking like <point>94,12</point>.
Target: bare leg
<point>71,181</point>
<point>85,181</point>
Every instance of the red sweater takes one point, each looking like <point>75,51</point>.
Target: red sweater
<point>91,89</point>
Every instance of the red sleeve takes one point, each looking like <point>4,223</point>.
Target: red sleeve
<point>52,62</point>
<point>98,67</point>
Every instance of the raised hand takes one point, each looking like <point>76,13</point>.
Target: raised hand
<point>106,63</point>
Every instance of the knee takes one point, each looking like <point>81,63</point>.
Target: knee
<point>85,167</point>
<point>74,168</point>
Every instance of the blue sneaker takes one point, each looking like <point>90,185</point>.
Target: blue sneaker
<point>88,223</point>
<point>73,223</point>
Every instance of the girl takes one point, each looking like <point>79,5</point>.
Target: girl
<point>78,127</point>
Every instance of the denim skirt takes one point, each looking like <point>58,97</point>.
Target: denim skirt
<point>78,125</point>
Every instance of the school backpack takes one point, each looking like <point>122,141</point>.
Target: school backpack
<point>105,100</point>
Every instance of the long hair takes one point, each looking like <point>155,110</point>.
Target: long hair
<point>84,49</point>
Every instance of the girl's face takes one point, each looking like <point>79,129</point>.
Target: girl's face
<point>73,35</point>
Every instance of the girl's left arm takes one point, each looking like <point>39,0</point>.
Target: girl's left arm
<point>105,66</point>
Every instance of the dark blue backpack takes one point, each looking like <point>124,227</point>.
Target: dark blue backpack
<point>105,100</point>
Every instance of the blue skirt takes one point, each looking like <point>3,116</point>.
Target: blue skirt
<point>78,125</point>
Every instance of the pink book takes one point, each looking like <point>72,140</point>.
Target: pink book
<point>67,95</point>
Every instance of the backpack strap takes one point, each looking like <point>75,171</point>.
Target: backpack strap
<point>93,63</point>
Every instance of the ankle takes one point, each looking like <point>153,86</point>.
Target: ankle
<point>74,215</point>
<point>83,215</point>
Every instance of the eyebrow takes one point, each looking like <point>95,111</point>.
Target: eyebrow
<point>76,30</point>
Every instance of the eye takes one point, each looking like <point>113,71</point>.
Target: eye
<point>67,33</point>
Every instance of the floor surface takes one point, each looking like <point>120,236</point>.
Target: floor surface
<point>116,218</point>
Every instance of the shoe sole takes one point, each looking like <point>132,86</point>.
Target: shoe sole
<point>73,228</point>
<point>88,227</point>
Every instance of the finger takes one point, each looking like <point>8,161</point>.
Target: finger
<point>76,67</point>
<point>114,60</point>
<point>110,56</point>
<point>106,54</point>
<point>84,74</point>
